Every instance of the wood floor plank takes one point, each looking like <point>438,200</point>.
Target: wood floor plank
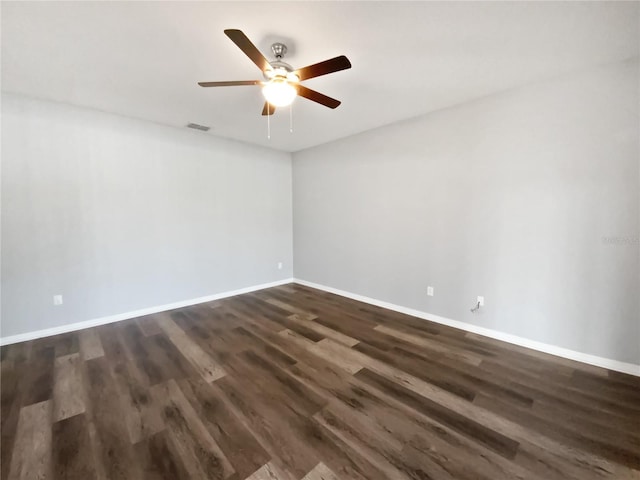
<point>220,344</point>
<point>337,354</point>
<point>140,412</point>
<point>559,393</point>
<point>72,455</point>
<point>38,380</point>
<point>269,471</point>
<point>113,449</point>
<point>31,457</point>
<point>421,449</point>
<point>324,378</point>
<point>90,345</point>
<point>13,369</point>
<point>321,472</point>
<point>185,319</point>
<point>356,328</point>
<point>68,393</point>
<point>239,403</point>
<point>493,440</point>
<point>624,378</point>
<point>294,352</point>
<point>203,363</point>
<point>577,458</point>
<point>276,312</point>
<point>271,376</point>
<point>251,341</point>
<point>62,344</point>
<point>272,423</point>
<point>68,344</point>
<point>125,342</point>
<point>464,378</point>
<point>335,453</point>
<point>296,338</point>
<point>170,362</point>
<point>159,460</point>
<point>399,358</point>
<point>589,423</point>
<point>358,439</point>
<point>323,331</point>
<point>246,313</point>
<point>467,357</point>
<point>197,449</point>
<point>95,444</point>
<point>428,443</point>
<point>619,392</point>
<point>148,325</point>
<point>343,460</point>
<point>563,454</point>
<point>336,308</point>
<point>287,306</point>
<point>244,452</point>
<point>484,383</point>
<point>544,359</point>
<point>609,449</point>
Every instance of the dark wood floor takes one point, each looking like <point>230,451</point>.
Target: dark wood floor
<point>291,383</point>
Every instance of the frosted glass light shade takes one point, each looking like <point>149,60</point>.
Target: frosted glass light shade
<point>279,92</point>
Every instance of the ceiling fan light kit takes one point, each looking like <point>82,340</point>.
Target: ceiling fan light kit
<point>282,83</point>
<point>279,92</point>
<point>279,88</point>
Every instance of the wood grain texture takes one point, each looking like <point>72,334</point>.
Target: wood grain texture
<point>291,383</point>
<point>32,449</point>
<point>90,345</point>
<point>268,471</point>
<point>159,460</point>
<point>115,452</point>
<point>320,472</point>
<point>206,366</point>
<point>72,454</point>
<point>68,395</point>
<point>196,447</point>
<point>323,331</point>
<point>13,364</point>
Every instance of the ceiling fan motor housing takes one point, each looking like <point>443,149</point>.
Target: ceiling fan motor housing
<point>280,69</point>
<point>279,50</point>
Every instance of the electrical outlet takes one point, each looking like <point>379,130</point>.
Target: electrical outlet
<point>481,301</point>
<point>57,300</point>
<point>430,291</point>
<point>279,265</point>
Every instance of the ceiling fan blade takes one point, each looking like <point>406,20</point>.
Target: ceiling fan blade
<point>249,49</point>
<point>328,66</point>
<point>230,84</point>
<point>268,109</point>
<point>317,97</point>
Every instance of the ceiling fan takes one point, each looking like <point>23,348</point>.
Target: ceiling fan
<point>282,83</point>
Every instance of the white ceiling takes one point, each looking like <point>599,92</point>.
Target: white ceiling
<point>143,59</point>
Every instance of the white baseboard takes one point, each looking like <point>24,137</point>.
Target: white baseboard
<point>23,337</point>
<point>608,363</point>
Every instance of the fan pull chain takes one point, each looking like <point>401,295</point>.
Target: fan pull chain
<point>268,121</point>
<point>291,118</point>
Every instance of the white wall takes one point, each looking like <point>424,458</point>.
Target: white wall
<point>118,214</point>
<point>509,197</point>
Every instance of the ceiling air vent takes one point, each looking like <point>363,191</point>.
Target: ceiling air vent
<point>195,126</point>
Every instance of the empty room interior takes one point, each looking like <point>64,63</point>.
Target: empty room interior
<point>320,240</point>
